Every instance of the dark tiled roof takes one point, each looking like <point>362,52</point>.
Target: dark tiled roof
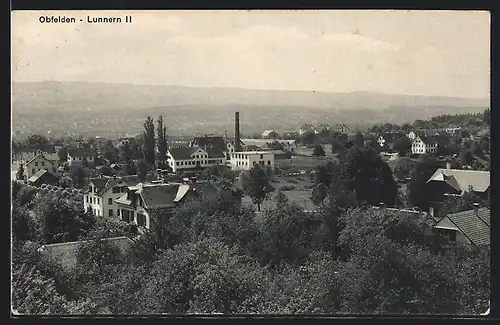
<point>103,184</point>
<point>183,153</point>
<point>429,140</point>
<point>66,253</point>
<point>157,196</point>
<point>81,152</point>
<point>42,155</point>
<point>391,137</point>
<point>214,152</point>
<point>474,225</point>
<point>215,142</point>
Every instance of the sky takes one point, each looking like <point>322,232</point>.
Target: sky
<point>432,53</point>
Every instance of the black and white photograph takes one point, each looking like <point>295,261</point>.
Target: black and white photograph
<point>250,162</point>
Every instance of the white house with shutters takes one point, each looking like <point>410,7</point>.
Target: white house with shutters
<point>189,158</point>
<point>245,160</point>
<point>102,192</point>
<point>423,145</point>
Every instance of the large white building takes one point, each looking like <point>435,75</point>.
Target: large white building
<point>190,158</point>
<point>103,191</point>
<point>422,145</point>
<point>245,160</point>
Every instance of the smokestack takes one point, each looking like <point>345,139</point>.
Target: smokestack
<point>237,132</point>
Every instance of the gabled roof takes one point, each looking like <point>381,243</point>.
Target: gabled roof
<point>81,152</point>
<point>40,174</point>
<point>268,132</point>
<point>214,152</point>
<point>66,253</point>
<point>209,141</point>
<point>429,139</point>
<point>39,155</point>
<point>474,225</point>
<point>157,196</point>
<point>183,153</point>
<point>103,184</point>
<point>479,180</point>
<point>391,137</point>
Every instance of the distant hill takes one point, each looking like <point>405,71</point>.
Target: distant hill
<point>108,107</point>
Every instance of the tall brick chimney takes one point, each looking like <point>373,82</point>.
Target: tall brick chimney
<point>237,132</point>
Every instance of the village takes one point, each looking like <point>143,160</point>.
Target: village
<point>326,162</point>
<point>107,191</point>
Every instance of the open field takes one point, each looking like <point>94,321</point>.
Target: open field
<point>301,163</point>
<point>300,194</point>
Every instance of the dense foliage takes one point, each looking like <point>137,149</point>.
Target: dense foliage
<point>219,256</point>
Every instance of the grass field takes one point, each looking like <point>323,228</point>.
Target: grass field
<point>301,163</point>
<point>300,194</point>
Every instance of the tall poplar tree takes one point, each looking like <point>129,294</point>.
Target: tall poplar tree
<point>149,141</point>
<point>162,143</point>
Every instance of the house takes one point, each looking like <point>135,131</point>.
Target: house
<point>411,135</point>
<point>387,140</point>
<point>457,182</point>
<point>342,128</point>
<point>43,176</point>
<point>39,161</point>
<point>231,148</point>
<point>66,253</point>
<point>246,159</point>
<point>81,154</point>
<point>102,192</point>
<point>306,128</point>
<point>269,134</point>
<point>470,227</point>
<point>182,159</point>
<point>144,204</point>
<point>424,144</point>
<point>453,130</point>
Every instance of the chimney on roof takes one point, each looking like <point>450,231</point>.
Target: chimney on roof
<point>237,132</point>
<point>381,205</point>
<point>448,165</point>
<point>476,206</point>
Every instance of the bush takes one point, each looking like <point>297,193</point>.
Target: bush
<point>287,188</point>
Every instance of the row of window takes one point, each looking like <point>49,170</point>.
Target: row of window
<point>36,163</point>
<point>245,163</point>
<point>192,163</point>
<point>245,156</point>
<point>95,200</point>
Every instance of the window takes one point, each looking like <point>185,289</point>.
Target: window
<point>177,163</point>
<point>118,212</point>
<point>110,201</point>
<point>261,156</point>
<point>33,170</point>
<point>141,220</point>
<point>98,201</point>
<point>269,162</point>
<point>116,189</point>
<point>110,212</point>
<point>90,189</point>
<point>43,163</point>
<point>93,200</point>
<point>36,163</point>
<point>197,156</point>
